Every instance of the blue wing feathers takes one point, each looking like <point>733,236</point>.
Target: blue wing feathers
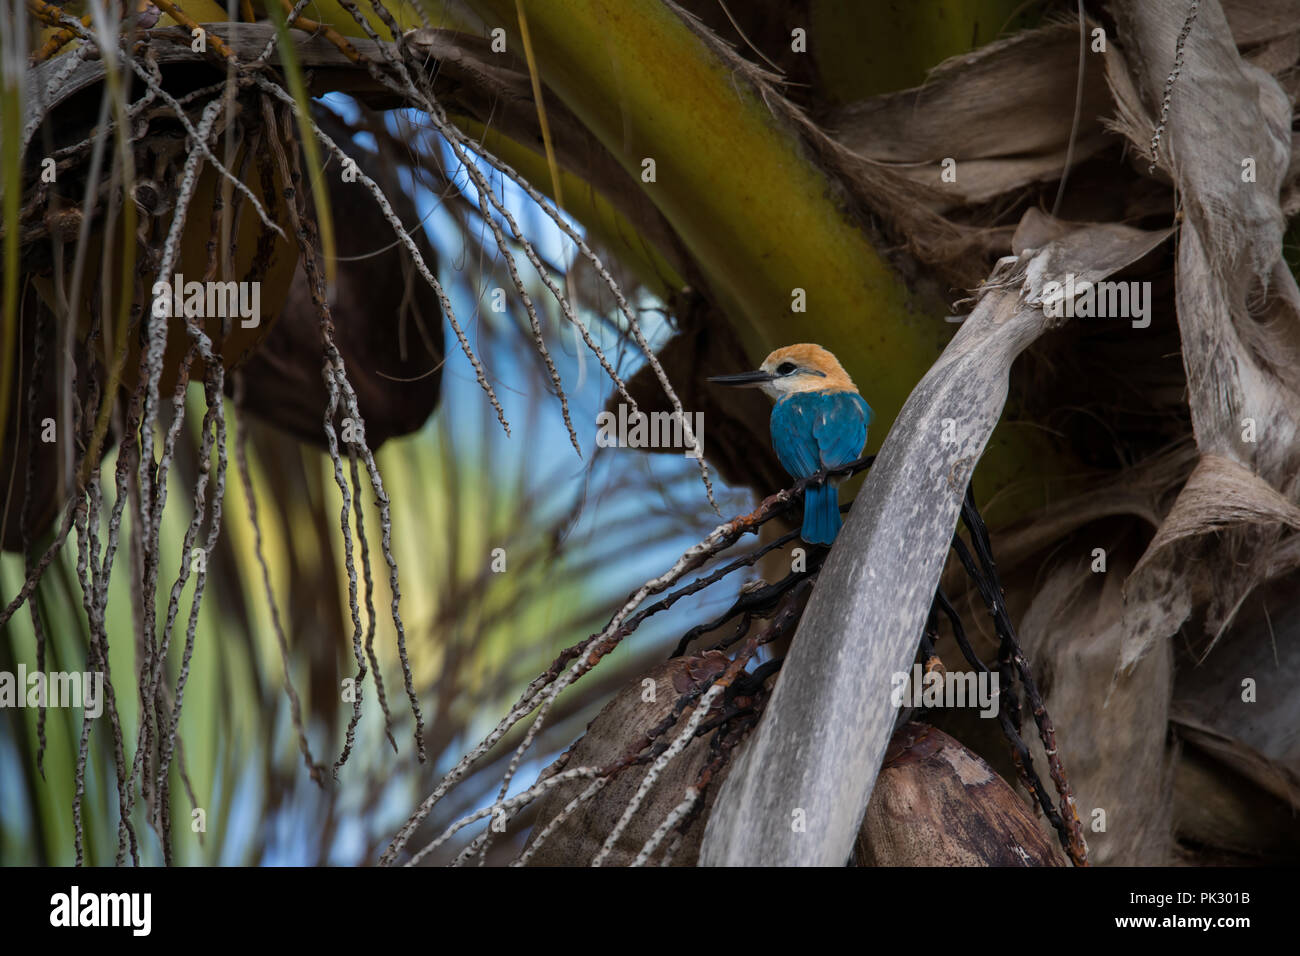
<point>840,429</point>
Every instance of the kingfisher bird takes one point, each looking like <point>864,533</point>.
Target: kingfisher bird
<point>819,421</point>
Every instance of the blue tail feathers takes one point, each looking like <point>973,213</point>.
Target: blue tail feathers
<point>821,514</point>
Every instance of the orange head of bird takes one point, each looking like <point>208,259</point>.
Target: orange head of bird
<point>795,368</point>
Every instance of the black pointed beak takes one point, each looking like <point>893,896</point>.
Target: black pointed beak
<point>743,379</point>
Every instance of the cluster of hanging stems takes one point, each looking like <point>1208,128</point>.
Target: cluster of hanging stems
<point>141,474</point>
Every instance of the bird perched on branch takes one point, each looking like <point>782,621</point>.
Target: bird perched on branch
<point>819,421</point>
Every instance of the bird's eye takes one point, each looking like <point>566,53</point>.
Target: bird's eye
<point>785,368</point>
